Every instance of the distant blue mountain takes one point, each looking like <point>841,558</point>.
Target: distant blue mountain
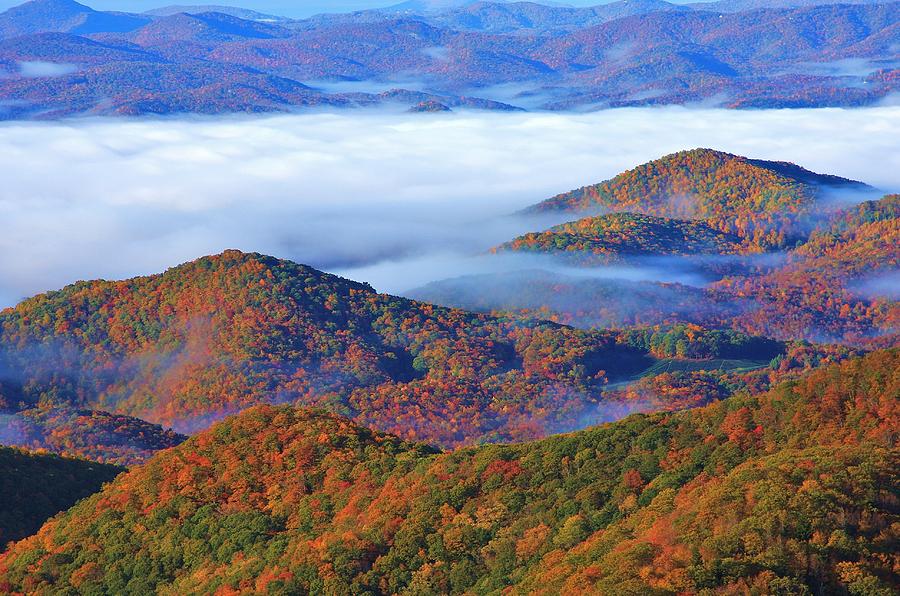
<point>486,55</point>
<point>40,16</point>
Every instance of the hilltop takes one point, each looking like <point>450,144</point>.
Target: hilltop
<point>760,201</point>
<point>222,333</point>
<point>64,16</point>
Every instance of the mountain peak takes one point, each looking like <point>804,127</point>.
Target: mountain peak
<point>241,13</point>
<point>708,177</point>
<point>435,6</point>
<point>757,200</point>
<point>783,168</point>
<point>56,8</point>
<point>207,26</point>
<point>64,16</point>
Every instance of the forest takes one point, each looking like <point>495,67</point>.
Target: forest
<point>791,491</point>
<point>36,486</point>
<point>211,337</point>
<point>780,252</point>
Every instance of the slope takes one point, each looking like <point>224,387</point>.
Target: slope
<point>89,434</point>
<point>657,55</point>
<point>64,16</point>
<point>607,238</point>
<point>838,285</point>
<point>34,487</point>
<point>241,13</point>
<point>580,301</point>
<point>222,333</point>
<point>529,17</point>
<point>828,287</point>
<point>791,491</point>
<point>760,201</point>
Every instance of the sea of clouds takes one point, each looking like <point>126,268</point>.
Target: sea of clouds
<point>397,200</point>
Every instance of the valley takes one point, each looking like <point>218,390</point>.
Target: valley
<point>450,297</point>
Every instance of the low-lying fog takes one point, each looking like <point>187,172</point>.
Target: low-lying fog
<point>397,200</point>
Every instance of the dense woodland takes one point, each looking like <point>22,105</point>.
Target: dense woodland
<point>792,491</point>
<point>222,333</point>
<point>789,254</point>
<point>822,290</point>
<point>761,202</point>
<point>212,337</point>
<point>37,486</point>
<point>605,238</point>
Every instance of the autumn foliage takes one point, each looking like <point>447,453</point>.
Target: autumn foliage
<point>223,333</point>
<point>790,491</point>
<point>760,202</point>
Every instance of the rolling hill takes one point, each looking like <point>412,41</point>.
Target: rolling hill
<point>708,180</point>
<point>791,491</point>
<point>222,333</point>
<point>712,239</point>
<point>65,16</point>
<point>765,203</point>
<point>534,18</point>
<point>89,434</point>
<point>605,238</point>
<point>241,13</point>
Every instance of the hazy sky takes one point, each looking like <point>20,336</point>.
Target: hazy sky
<point>393,199</point>
<point>291,8</point>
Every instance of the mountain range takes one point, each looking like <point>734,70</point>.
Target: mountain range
<point>212,337</point>
<point>92,370</point>
<point>681,380</point>
<point>215,336</point>
<point>62,58</point>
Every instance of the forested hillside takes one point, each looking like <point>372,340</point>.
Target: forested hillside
<point>839,285</point>
<point>37,486</point>
<point>790,491</point>
<point>765,203</point>
<point>217,335</point>
<point>607,238</point>
<point>681,380</point>
<point>497,56</point>
<point>90,434</point>
<point>767,248</point>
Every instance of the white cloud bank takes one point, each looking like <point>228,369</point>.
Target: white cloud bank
<point>393,199</point>
<point>37,69</point>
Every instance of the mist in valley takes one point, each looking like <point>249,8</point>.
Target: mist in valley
<point>396,200</point>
